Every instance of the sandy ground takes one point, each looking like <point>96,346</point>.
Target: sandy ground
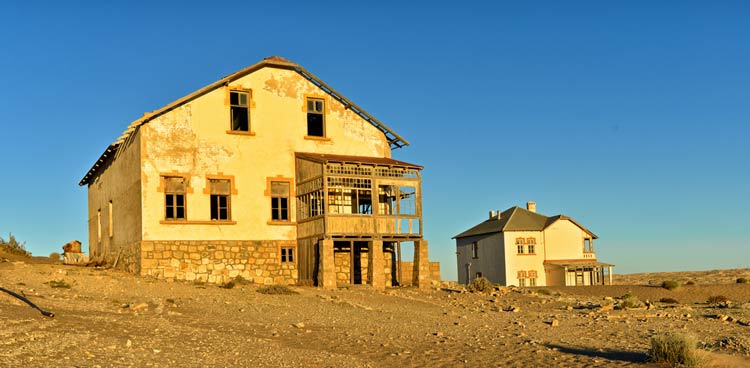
<point>113,319</point>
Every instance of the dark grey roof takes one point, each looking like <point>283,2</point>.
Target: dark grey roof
<point>516,219</point>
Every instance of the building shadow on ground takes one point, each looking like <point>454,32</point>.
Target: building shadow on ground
<point>609,354</point>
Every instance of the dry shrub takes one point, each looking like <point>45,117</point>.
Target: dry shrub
<point>690,283</point>
<point>629,301</point>
<point>12,246</point>
<point>481,285</point>
<point>743,280</point>
<point>674,349</point>
<point>669,300</point>
<point>54,257</point>
<point>276,290</point>
<point>717,299</point>
<point>670,284</point>
<point>58,284</point>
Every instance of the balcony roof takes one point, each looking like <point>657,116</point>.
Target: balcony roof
<point>325,158</point>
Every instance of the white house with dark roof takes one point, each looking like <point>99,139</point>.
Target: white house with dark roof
<point>524,248</point>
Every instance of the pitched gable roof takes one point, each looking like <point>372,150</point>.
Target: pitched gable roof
<point>517,219</point>
<point>395,140</point>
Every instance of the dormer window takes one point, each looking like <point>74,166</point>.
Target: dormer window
<point>240,110</point>
<point>315,117</point>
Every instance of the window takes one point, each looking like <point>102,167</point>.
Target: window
<point>111,220</point>
<point>519,245</point>
<point>220,199</point>
<point>588,246</point>
<point>240,110</point>
<point>349,196</point>
<point>521,278</point>
<point>99,225</point>
<point>474,250</point>
<point>287,254</point>
<point>279,201</point>
<point>532,278</point>
<point>315,120</point>
<point>531,244</point>
<point>174,198</point>
<point>397,200</point>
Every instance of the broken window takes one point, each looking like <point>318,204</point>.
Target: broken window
<point>519,245</point>
<point>174,200</point>
<point>99,225</point>
<point>531,244</point>
<point>240,110</point>
<point>280,201</point>
<point>397,200</point>
<point>474,250</point>
<point>310,205</point>
<point>315,120</point>
<point>221,190</point>
<point>287,254</point>
<point>587,245</point>
<point>349,196</point>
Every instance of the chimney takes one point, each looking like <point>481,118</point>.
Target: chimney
<point>531,206</point>
<point>492,214</point>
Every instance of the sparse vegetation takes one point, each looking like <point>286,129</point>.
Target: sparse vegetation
<point>54,257</point>
<point>629,301</point>
<point>12,246</point>
<point>674,349</point>
<point>276,290</point>
<point>670,284</point>
<point>743,280</point>
<point>58,284</point>
<point>481,285</point>
<point>717,299</point>
<point>669,300</point>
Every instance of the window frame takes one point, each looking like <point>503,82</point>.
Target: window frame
<point>174,195</point>
<point>588,245</point>
<point>321,114</point>
<point>520,246</point>
<point>530,245</point>
<point>246,107</point>
<point>287,254</point>
<point>210,179</point>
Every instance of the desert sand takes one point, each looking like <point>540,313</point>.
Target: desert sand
<point>109,318</point>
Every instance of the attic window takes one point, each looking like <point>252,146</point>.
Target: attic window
<point>588,246</point>
<point>315,119</point>
<point>240,110</point>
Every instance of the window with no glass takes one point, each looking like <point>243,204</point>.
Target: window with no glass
<point>474,250</point>
<point>240,110</point>
<point>315,120</point>
<point>280,201</point>
<point>174,198</point>
<point>287,254</point>
<point>220,199</point>
<point>587,245</point>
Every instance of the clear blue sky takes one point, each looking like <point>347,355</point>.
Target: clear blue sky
<point>631,117</point>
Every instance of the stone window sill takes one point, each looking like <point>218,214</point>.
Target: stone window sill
<point>314,138</point>
<point>193,222</point>
<point>240,132</point>
<point>281,223</point>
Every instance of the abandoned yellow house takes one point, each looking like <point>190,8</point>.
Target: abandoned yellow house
<point>523,248</point>
<point>268,174</point>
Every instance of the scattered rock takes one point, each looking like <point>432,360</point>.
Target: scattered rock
<point>299,325</point>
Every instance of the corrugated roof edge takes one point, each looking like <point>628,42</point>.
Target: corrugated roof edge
<point>325,158</point>
<point>395,140</point>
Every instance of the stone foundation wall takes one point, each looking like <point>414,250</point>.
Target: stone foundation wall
<point>408,272</point>
<point>218,262</point>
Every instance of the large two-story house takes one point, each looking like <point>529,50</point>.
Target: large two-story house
<point>268,174</point>
<point>524,248</point>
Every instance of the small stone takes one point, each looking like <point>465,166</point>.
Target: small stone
<point>438,334</point>
<point>555,323</point>
<point>299,325</point>
<point>128,343</point>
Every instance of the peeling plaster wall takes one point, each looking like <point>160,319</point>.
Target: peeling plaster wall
<point>120,183</point>
<point>192,140</point>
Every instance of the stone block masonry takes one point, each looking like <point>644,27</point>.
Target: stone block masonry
<point>218,262</point>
